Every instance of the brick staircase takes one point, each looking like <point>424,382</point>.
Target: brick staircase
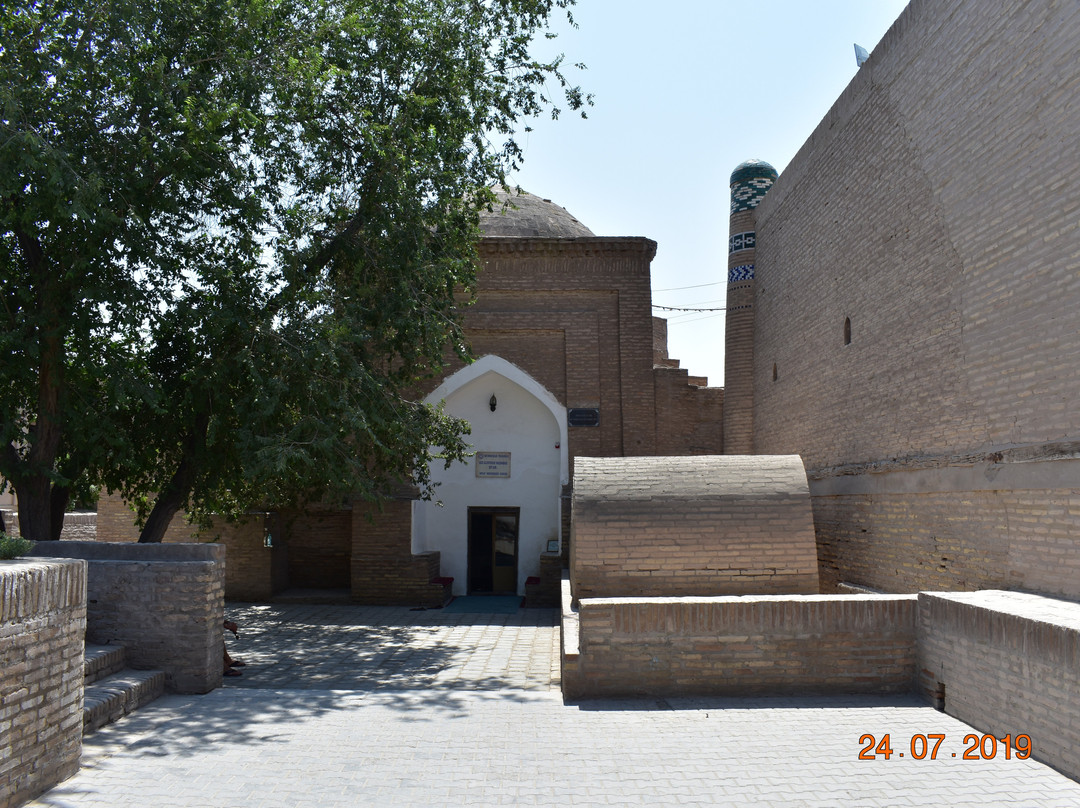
<point>112,690</point>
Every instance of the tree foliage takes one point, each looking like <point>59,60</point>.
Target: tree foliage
<point>231,232</point>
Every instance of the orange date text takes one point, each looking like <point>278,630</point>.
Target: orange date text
<point>933,745</point>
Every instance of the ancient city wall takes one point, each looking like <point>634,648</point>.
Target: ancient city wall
<point>917,292</point>
<point>42,626</point>
<point>163,602</point>
<point>1006,663</point>
<point>709,525</point>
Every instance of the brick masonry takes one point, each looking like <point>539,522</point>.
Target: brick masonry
<point>42,626</point>
<point>709,525</point>
<point>116,522</point>
<point>1010,665</point>
<point>575,314</point>
<point>934,210</point>
<point>384,569</point>
<point>78,526</point>
<point>163,602</point>
<point>752,645</point>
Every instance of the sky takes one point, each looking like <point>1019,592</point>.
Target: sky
<point>685,91</point>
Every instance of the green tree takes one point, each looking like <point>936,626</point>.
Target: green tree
<point>231,236</point>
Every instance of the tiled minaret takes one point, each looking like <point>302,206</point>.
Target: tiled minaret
<point>749,182</point>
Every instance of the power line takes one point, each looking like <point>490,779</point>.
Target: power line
<point>697,286</point>
<point>679,308</point>
<point>673,321</point>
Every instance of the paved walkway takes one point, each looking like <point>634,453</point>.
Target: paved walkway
<point>379,647</point>
<point>483,730</point>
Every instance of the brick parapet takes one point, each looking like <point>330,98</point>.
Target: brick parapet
<point>163,602</point>
<point>570,246</point>
<point>755,645</point>
<point>1006,663</point>
<point>42,628</point>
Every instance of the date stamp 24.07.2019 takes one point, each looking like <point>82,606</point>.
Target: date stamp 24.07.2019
<point>930,746</point>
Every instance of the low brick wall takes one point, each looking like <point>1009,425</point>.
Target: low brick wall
<point>42,625</point>
<point>543,593</point>
<point>163,602</point>
<point>78,526</point>
<point>751,645</point>
<point>1010,665</point>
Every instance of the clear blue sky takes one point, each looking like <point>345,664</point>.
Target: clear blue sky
<point>685,91</point>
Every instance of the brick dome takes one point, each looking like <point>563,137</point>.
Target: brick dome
<point>526,215</point>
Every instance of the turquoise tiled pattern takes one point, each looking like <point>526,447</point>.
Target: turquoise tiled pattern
<point>742,241</point>
<point>749,182</point>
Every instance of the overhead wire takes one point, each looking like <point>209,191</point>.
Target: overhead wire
<point>695,286</point>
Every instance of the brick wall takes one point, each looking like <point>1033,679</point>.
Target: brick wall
<point>249,569</point>
<point>163,602</point>
<point>576,316</point>
<point>706,525</point>
<point>78,526</point>
<point>934,209</point>
<point>116,522</point>
<point>319,547</point>
<point>384,569</point>
<point>1008,664</point>
<point>754,645</point>
<point>42,626</point>
<point>689,418</point>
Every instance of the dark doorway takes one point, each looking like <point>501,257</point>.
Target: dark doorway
<point>493,556</point>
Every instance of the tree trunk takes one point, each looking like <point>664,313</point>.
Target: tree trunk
<point>176,491</point>
<point>34,487</point>
<point>165,507</point>
<point>58,501</point>
<point>35,507</point>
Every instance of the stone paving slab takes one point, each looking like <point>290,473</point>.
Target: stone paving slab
<point>286,748</point>
<point>344,706</point>
<point>336,647</point>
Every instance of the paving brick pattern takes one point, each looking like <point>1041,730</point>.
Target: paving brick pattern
<point>380,647</point>
<point>460,744</point>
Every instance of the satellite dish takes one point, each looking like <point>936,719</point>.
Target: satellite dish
<point>861,55</point>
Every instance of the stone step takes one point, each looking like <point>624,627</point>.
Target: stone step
<point>118,695</point>
<point>100,661</point>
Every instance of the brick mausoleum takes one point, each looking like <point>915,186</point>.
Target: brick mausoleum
<point>884,497</point>
<point>570,363</point>
<point>903,314</point>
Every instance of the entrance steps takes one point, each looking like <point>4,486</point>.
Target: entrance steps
<point>111,689</point>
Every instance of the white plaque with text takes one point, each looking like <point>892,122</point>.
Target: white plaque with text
<point>492,464</point>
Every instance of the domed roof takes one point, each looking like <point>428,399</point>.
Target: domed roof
<point>751,170</point>
<point>529,216</point>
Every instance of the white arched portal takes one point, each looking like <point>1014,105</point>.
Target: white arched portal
<point>519,465</point>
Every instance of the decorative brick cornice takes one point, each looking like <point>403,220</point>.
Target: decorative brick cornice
<point>599,245</point>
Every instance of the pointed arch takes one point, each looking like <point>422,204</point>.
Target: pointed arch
<point>490,363</point>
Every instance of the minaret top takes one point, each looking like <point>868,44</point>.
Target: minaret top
<point>749,182</point>
<point>751,170</point>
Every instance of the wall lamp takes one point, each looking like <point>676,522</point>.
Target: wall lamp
<point>492,402</point>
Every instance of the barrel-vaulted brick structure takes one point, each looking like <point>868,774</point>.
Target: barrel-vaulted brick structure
<point>708,525</point>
